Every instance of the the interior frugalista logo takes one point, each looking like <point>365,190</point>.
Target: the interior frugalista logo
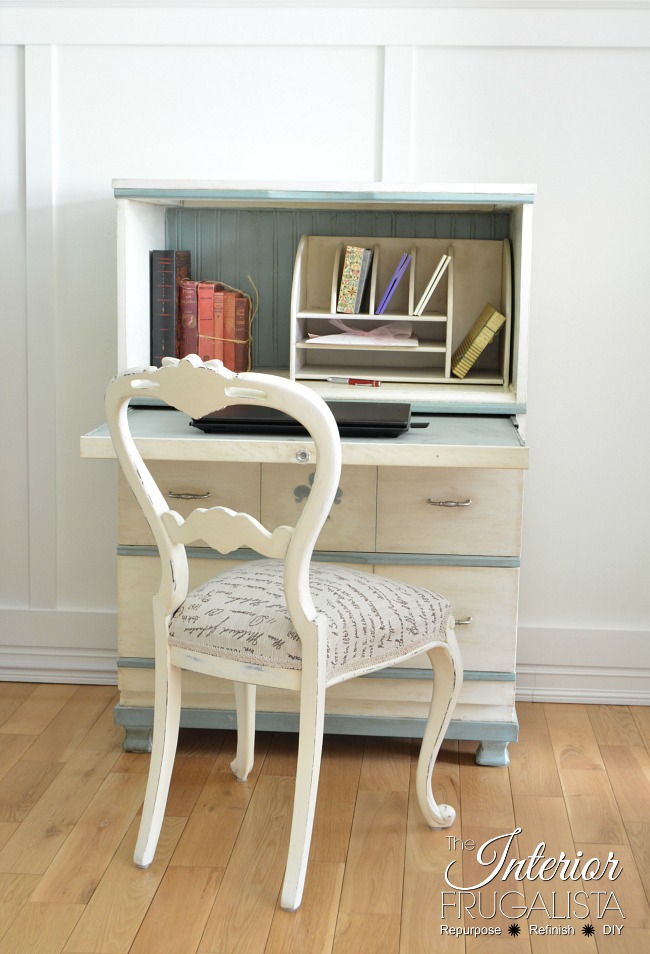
<point>582,889</point>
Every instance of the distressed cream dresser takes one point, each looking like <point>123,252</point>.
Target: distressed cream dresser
<point>440,506</point>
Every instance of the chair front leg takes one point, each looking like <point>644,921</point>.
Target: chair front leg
<point>167,712</point>
<point>310,746</point>
<point>245,704</point>
<point>447,683</point>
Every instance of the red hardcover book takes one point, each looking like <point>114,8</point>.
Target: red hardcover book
<point>205,305</point>
<point>219,293</point>
<point>229,299</point>
<point>188,336</point>
<point>242,332</point>
<point>168,268</point>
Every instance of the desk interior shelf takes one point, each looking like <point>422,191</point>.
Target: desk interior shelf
<point>480,271</point>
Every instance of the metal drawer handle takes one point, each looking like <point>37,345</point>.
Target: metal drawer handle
<point>188,496</point>
<point>464,622</point>
<point>449,503</point>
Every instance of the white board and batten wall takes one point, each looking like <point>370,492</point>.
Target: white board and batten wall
<point>426,92</point>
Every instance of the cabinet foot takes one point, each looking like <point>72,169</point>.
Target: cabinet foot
<point>492,753</point>
<point>137,739</point>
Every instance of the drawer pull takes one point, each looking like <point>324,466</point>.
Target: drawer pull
<point>188,496</point>
<point>449,503</point>
<point>464,622</point>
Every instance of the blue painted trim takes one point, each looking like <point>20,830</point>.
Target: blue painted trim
<point>447,407</point>
<point>309,195</point>
<point>141,718</point>
<point>334,556</point>
<point>469,675</point>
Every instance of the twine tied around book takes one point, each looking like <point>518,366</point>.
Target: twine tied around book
<point>253,305</point>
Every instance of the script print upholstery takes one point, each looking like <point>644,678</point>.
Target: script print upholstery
<point>242,615</point>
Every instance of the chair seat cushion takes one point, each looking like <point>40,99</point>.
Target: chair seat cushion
<point>241,615</point>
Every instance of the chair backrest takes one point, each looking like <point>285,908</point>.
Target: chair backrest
<point>197,388</point>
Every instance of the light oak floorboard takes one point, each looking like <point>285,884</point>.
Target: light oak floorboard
<point>123,897</point>
<point>37,840</point>
<point>641,716</point>
<point>12,697</point>
<point>579,781</point>
<point>533,770</point>
<point>614,725</point>
<point>312,926</point>
<point>175,921</point>
<point>38,710</point>
<point>40,928</point>
<point>572,736</point>
<point>70,725</point>
<point>249,894</point>
<point>592,807</point>
<point>79,866</point>
<point>22,787</point>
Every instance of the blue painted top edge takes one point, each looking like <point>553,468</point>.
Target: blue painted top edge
<point>467,408</point>
<point>320,196</point>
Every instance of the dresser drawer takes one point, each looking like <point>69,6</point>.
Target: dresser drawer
<point>449,510</point>
<point>231,485</point>
<point>486,597</point>
<point>351,522</point>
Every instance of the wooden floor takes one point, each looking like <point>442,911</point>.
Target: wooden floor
<point>579,781</point>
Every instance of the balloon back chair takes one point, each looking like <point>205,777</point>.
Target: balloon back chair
<point>275,621</point>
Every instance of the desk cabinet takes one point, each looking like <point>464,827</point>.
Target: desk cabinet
<point>381,522</point>
<point>439,507</point>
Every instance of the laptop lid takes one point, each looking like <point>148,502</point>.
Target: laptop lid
<point>353,419</point>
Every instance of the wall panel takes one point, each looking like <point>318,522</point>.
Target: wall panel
<point>457,92</point>
<point>567,120</point>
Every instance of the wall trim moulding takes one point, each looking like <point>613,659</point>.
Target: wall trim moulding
<point>92,667</point>
<point>466,23</point>
<point>617,5</point>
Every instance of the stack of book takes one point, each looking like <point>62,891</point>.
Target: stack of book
<point>196,317</point>
<point>476,340</point>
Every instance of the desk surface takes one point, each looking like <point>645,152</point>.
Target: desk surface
<point>447,441</point>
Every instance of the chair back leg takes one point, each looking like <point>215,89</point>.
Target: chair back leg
<point>447,683</point>
<point>245,707</point>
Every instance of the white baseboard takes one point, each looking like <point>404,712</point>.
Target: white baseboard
<point>553,665</point>
<point>606,667</point>
<point>72,646</point>
<point>93,667</point>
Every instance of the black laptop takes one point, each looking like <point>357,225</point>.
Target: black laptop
<point>353,418</point>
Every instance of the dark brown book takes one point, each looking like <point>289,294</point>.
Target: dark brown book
<point>188,335</point>
<point>167,268</point>
<point>242,333</point>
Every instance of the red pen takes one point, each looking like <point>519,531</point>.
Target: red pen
<point>361,382</point>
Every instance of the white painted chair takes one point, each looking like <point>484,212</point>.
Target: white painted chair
<point>277,621</point>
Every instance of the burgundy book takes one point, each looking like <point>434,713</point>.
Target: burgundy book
<point>188,336</point>
<point>205,306</point>
<point>242,333</point>
<point>229,299</point>
<point>167,268</point>
<point>219,293</point>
